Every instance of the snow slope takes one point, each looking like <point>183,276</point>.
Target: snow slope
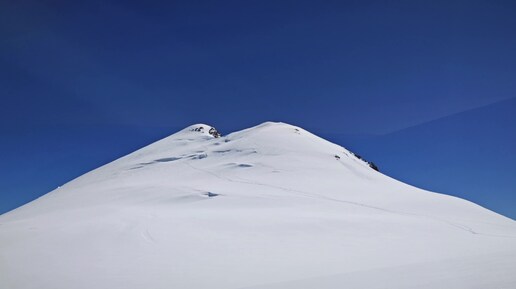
<point>267,207</point>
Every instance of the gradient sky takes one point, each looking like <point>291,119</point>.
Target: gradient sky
<point>425,89</point>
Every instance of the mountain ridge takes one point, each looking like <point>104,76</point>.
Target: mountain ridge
<point>266,205</point>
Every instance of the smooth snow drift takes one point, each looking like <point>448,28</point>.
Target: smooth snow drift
<point>273,206</point>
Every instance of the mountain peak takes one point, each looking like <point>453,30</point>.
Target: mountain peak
<point>203,129</point>
<point>276,124</point>
<point>266,204</point>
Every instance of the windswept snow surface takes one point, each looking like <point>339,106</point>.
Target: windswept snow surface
<point>267,207</point>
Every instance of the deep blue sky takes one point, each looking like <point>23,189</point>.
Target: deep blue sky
<point>425,89</point>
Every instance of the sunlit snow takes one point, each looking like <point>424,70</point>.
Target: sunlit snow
<point>273,206</point>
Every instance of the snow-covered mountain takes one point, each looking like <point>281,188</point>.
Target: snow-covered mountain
<point>273,206</point>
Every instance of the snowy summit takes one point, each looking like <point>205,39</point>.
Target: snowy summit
<point>272,206</point>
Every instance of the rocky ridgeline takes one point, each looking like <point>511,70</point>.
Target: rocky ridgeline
<point>371,164</point>
<point>212,131</point>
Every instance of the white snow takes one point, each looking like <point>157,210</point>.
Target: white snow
<point>267,207</point>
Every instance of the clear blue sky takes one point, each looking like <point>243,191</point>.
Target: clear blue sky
<point>425,89</point>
